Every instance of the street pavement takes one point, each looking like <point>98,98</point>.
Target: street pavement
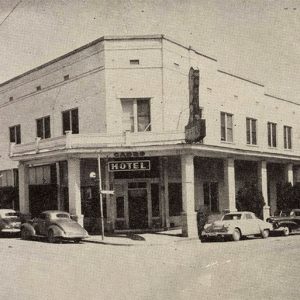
<point>150,266</point>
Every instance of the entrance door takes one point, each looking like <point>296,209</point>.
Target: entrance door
<point>137,206</point>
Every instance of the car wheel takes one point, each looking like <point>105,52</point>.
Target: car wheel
<point>236,235</point>
<point>51,237</point>
<point>265,233</point>
<point>286,231</point>
<point>77,241</point>
<point>25,234</point>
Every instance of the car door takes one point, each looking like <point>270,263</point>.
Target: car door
<point>251,222</point>
<point>41,224</point>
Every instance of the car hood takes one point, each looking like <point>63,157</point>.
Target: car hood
<point>279,218</point>
<point>217,225</point>
<point>70,226</point>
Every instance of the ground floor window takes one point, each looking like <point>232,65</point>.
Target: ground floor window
<point>175,199</point>
<point>120,207</point>
<point>211,195</point>
<point>155,199</point>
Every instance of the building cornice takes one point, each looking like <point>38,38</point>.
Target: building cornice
<point>200,150</point>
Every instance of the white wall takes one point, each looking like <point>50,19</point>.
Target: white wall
<point>84,90</point>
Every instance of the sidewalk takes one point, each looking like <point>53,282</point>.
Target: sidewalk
<point>140,239</point>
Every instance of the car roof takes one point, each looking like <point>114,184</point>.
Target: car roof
<point>55,212</point>
<point>239,212</point>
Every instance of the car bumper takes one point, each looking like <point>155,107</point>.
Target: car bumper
<point>74,236</point>
<point>212,235</point>
<point>11,230</point>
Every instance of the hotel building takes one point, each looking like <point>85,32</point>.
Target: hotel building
<point>173,132</point>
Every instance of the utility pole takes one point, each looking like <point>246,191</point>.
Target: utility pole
<point>100,196</point>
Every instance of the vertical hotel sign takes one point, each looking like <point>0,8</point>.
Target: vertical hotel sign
<point>195,130</point>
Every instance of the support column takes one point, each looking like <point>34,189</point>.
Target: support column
<point>74,189</point>
<point>59,198</point>
<point>162,192</point>
<point>289,174</point>
<point>166,191</point>
<point>229,185</point>
<point>189,219</point>
<point>262,176</point>
<point>24,188</point>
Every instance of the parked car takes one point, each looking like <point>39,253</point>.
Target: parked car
<point>55,225</point>
<point>286,221</point>
<point>235,225</point>
<point>9,221</point>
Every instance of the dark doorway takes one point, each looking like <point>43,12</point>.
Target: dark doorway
<point>138,211</point>
<point>42,197</point>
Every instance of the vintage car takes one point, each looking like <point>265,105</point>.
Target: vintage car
<point>235,225</point>
<point>286,221</point>
<point>9,221</point>
<point>55,225</point>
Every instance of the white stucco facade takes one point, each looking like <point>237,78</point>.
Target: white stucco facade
<point>111,70</point>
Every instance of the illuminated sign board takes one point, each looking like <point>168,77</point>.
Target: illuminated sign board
<point>128,166</point>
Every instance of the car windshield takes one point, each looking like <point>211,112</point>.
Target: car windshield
<point>232,217</point>
<point>62,216</point>
<point>282,213</point>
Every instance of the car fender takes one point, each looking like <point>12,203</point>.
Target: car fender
<point>58,232</point>
<point>264,226</point>
<point>290,224</point>
<point>29,228</point>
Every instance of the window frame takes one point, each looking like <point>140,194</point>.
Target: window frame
<point>135,117</point>
<point>250,134</point>
<point>225,129</point>
<point>71,125</point>
<point>272,134</point>
<point>287,137</point>
<point>17,138</point>
<point>44,135</point>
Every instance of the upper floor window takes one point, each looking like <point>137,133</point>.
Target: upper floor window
<point>15,134</point>
<point>272,135</point>
<point>43,127</point>
<point>226,127</point>
<point>287,136</point>
<point>251,131</point>
<point>136,115</point>
<point>70,121</point>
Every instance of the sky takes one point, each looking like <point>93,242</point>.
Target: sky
<point>255,39</point>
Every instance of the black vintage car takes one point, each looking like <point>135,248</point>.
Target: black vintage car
<point>286,221</point>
